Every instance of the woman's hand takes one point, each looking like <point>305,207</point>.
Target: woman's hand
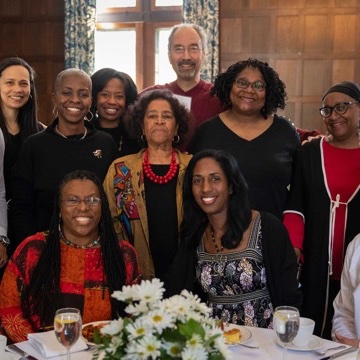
<point>3,256</point>
<point>347,341</point>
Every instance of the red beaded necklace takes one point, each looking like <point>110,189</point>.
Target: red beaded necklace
<point>157,178</point>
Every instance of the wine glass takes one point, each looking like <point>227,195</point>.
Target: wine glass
<point>67,326</point>
<point>286,324</point>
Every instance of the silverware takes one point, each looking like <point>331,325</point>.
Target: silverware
<point>24,355</point>
<point>341,353</point>
<point>323,352</point>
<point>248,346</point>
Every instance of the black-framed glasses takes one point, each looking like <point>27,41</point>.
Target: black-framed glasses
<point>242,83</point>
<point>75,200</point>
<point>339,108</point>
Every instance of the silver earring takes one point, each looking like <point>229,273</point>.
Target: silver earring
<point>55,112</point>
<point>143,138</point>
<point>176,139</point>
<point>86,117</point>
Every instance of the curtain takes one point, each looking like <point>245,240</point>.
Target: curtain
<point>206,14</point>
<point>80,23</point>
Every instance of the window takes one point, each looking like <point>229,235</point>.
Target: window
<point>132,37</point>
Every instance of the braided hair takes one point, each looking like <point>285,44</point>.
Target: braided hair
<point>41,298</point>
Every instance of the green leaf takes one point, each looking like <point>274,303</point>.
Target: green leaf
<point>190,328</point>
<point>173,335</point>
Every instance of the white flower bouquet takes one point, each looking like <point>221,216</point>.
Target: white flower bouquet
<point>175,328</point>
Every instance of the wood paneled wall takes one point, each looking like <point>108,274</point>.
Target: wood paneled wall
<point>34,31</point>
<point>312,44</point>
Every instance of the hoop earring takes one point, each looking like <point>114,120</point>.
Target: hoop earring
<point>92,115</point>
<point>55,112</point>
<point>143,138</point>
<point>176,139</point>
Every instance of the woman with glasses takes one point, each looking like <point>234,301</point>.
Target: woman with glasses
<point>79,262</point>
<point>262,142</point>
<point>322,215</point>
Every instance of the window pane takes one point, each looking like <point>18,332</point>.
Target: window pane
<point>101,5</point>
<point>168,2</point>
<point>163,70</point>
<point>116,49</point>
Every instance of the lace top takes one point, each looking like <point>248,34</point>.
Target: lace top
<point>236,283</point>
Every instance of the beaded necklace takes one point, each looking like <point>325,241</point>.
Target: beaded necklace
<point>87,246</point>
<point>157,178</point>
<point>218,250</point>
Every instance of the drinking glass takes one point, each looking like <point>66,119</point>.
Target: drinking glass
<point>286,325</point>
<point>67,326</point>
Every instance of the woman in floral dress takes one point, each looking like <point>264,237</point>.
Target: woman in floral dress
<point>239,259</point>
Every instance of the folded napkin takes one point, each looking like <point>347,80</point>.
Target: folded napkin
<point>47,344</point>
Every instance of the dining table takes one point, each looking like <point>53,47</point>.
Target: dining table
<point>269,349</point>
<point>264,339</point>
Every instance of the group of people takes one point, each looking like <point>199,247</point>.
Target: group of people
<point>201,185</point>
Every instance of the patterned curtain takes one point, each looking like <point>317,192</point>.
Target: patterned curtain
<point>206,14</point>
<point>80,22</point>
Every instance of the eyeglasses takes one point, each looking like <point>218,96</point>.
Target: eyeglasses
<point>74,200</point>
<point>244,84</point>
<point>339,108</point>
<point>192,49</point>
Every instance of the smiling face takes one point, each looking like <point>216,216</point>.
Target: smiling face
<point>186,63</point>
<point>72,97</point>
<point>159,123</point>
<point>248,100</point>
<point>80,223</point>
<point>210,187</point>
<point>111,102</point>
<point>344,128</point>
<point>14,87</point>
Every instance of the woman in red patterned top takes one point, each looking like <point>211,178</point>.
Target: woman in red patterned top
<point>79,262</point>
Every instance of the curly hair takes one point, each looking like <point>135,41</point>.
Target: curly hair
<point>27,116</point>
<point>42,296</point>
<point>195,219</point>
<point>275,88</point>
<point>101,77</point>
<point>135,114</point>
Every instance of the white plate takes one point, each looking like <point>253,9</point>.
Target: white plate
<point>314,344</point>
<point>94,323</point>
<point>245,334</point>
<point>10,356</point>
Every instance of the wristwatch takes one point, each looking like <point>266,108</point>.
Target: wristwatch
<point>4,240</point>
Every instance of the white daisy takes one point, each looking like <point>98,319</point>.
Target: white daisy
<point>149,346</point>
<point>194,353</point>
<point>173,349</point>
<point>149,291</point>
<point>113,327</point>
<point>137,329</point>
<point>160,319</point>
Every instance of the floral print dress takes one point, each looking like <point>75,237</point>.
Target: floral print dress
<point>236,283</point>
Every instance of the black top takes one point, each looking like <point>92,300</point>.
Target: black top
<point>123,141</point>
<point>266,161</point>
<point>12,150</point>
<point>43,161</point>
<point>162,220</point>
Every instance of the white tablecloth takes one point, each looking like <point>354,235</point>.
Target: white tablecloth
<point>263,338</point>
<point>269,350</point>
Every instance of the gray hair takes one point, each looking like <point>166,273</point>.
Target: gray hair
<point>197,28</point>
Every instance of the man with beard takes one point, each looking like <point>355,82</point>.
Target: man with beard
<point>186,50</point>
